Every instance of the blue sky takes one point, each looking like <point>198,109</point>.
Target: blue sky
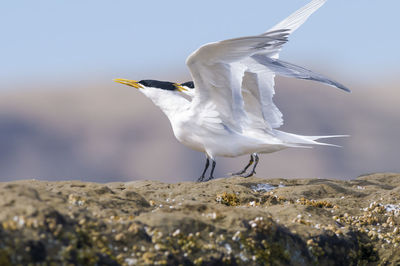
<point>94,41</point>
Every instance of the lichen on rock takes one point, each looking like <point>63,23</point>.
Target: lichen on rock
<point>222,222</point>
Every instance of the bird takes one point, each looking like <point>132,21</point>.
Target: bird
<point>227,109</point>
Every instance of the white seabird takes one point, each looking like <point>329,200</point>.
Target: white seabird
<point>227,110</point>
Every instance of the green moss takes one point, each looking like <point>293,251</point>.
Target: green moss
<point>366,252</point>
<point>4,258</point>
<point>229,199</point>
<point>266,253</point>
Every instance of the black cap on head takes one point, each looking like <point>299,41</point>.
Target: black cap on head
<point>165,85</point>
<point>189,84</point>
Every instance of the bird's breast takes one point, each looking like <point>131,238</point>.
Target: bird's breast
<point>188,133</point>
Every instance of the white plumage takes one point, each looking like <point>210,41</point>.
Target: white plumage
<point>230,111</point>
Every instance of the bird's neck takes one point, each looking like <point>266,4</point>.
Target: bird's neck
<point>170,102</point>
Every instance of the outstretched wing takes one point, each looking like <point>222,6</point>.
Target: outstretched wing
<point>295,20</point>
<point>258,90</point>
<point>258,83</point>
<point>234,79</point>
<point>218,77</point>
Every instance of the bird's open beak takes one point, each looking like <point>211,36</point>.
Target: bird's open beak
<point>179,87</point>
<point>132,83</point>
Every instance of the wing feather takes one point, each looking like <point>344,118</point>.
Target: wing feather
<point>217,75</point>
<point>292,71</point>
<point>234,79</point>
<point>264,66</point>
<point>295,20</point>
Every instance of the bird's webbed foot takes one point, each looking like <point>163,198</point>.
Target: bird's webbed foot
<point>209,178</point>
<point>200,179</point>
<point>254,158</point>
<point>248,175</point>
<point>241,173</point>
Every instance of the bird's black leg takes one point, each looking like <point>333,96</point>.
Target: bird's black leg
<point>253,171</point>
<point>201,178</point>
<point>247,166</point>
<point>212,170</point>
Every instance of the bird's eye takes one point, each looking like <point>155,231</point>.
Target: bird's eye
<point>188,84</point>
<point>143,82</point>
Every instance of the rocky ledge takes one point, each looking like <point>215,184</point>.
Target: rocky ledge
<point>232,221</point>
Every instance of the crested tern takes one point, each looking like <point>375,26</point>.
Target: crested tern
<point>227,110</point>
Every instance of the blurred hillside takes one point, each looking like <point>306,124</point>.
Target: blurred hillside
<point>111,132</point>
<point>61,116</point>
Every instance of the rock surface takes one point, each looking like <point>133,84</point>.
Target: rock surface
<point>234,221</point>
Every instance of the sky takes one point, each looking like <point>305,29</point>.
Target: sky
<point>58,59</point>
<point>68,42</point>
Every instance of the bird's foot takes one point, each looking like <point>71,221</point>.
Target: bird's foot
<point>248,175</point>
<point>240,173</point>
<point>200,179</point>
<point>209,178</point>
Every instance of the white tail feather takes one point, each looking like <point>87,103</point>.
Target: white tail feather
<point>294,139</point>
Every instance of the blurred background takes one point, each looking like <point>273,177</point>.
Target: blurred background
<point>62,117</point>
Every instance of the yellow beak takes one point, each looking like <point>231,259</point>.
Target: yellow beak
<point>132,83</point>
<point>179,87</point>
